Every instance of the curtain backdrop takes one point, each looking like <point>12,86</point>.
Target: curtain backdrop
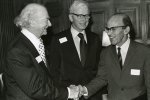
<point>7,30</point>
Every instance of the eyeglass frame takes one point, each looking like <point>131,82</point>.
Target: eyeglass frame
<point>113,28</point>
<point>87,16</point>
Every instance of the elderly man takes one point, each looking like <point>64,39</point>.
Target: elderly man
<point>75,52</point>
<point>124,65</point>
<point>26,74</point>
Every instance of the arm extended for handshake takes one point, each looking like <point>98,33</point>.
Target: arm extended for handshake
<point>75,92</point>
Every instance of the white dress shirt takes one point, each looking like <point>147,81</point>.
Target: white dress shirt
<point>34,40</point>
<point>76,39</point>
<point>124,50</point>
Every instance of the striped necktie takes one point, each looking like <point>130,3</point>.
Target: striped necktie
<point>119,57</point>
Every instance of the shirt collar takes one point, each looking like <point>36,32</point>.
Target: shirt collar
<point>74,32</point>
<point>34,40</point>
<point>125,46</point>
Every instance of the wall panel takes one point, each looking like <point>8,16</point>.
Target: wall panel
<point>133,13</point>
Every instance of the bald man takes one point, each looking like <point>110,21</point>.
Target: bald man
<point>127,72</point>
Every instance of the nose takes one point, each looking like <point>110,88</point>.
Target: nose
<point>49,23</point>
<point>84,18</point>
<point>109,32</point>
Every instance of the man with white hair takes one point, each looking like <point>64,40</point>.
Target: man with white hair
<point>26,74</point>
<point>75,52</point>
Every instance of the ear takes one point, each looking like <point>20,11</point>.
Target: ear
<point>70,18</point>
<point>32,22</point>
<point>127,30</point>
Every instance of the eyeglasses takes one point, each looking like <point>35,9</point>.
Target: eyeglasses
<point>113,28</point>
<point>87,16</point>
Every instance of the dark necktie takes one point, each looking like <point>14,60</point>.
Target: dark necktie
<point>83,48</point>
<point>119,57</point>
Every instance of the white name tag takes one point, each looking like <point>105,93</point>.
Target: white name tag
<point>62,40</point>
<point>135,72</point>
<point>38,59</point>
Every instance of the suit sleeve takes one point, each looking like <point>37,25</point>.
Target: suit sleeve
<point>101,78</point>
<point>147,73</point>
<point>33,82</point>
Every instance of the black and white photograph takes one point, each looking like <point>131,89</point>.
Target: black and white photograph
<point>75,50</point>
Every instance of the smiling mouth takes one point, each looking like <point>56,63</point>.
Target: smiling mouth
<point>111,37</point>
<point>82,24</point>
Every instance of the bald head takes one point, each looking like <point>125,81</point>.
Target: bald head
<point>121,19</point>
<point>117,29</point>
<point>116,20</point>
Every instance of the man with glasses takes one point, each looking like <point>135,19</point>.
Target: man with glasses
<point>74,58</point>
<point>126,70</point>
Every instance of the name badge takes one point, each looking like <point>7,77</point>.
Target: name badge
<point>135,72</point>
<point>62,40</point>
<point>38,59</point>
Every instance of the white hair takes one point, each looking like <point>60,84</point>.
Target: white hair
<point>76,4</point>
<point>28,13</point>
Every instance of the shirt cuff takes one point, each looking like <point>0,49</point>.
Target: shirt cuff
<point>86,91</point>
<point>68,92</point>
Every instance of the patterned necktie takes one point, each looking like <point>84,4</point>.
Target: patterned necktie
<point>42,51</point>
<point>83,48</point>
<point>119,57</point>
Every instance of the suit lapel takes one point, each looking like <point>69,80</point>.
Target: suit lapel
<point>115,58</point>
<point>33,50</point>
<point>130,54</point>
<point>29,45</point>
<point>72,49</point>
<point>115,66</point>
<point>89,38</point>
<point>90,43</point>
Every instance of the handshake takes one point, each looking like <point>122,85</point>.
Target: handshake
<point>75,92</point>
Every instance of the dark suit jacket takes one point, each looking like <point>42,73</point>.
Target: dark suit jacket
<point>66,67</point>
<point>25,78</point>
<point>125,84</point>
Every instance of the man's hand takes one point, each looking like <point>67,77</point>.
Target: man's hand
<point>73,92</point>
<point>82,91</point>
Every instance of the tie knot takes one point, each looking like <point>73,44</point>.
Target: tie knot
<point>80,35</point>
<point>41,40</point>
<point>119,48</point>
